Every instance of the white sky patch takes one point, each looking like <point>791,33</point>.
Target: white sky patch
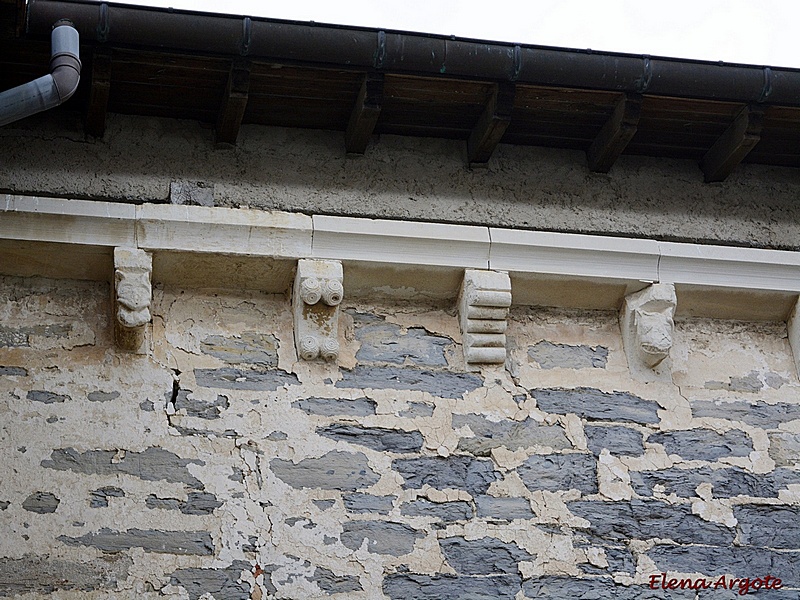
<point>762,32</point>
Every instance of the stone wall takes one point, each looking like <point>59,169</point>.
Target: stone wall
<point>399,178</point>
<point>221,467</point>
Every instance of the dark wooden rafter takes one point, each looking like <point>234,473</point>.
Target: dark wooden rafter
<point>365,114</point>
<point>615,134</point>
<point>732,146</point>
<point>99,92</point>
<point>234,102</point>
<point>492,124</point>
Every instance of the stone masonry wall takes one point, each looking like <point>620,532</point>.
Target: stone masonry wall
<point>221,467</point>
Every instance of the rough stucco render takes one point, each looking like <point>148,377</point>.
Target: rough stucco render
<point>402,178</point>
<point>145,477</point>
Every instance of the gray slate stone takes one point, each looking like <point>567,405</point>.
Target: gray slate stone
<point>20,337</point>
<point>331,407</point>
<point>454,472</point>
<point>507,433</point>
<point>506,509</point>
<point>150,540</point>
<point>346,471</point>
<point>382,537</point>
<point>442,384</point>
<point>738,561</point>
<point>13,371</point>
<point>784,448</point>
<point>41,502</point>
<point>484,556</point>
<point>758,414</point>
<point>331,583</point>
<point>99,497</point>
<point>593,404</point>
<point>154,464</point>
<point>367,503</point>
<point>383,342</point>
<point>223,584</point>
<point>619,440</point>
<point>417,409</point>
<point>727,482</point>
<point>648,519</point>
<point>236,379</point>
<point>559,588</point>
<point>251,348</point>
<point>550,356</point>
<point>554,472</point>
<point>46,397</point>
<point>44,575</point>
<point>325,504</point>
<point>4,504</point>
<point>101,396</point>
<point>748,383</point>
<point>402,586</point>
<point>196,503</point>
<point>704,444</point>
<point>376,438</point>
<point>200,408</point>
<point>448,512</point>
<point>769,526</point>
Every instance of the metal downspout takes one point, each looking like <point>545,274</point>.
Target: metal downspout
<point>50,90</point>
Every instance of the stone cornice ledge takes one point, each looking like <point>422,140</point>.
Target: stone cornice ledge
<point>288,236</point>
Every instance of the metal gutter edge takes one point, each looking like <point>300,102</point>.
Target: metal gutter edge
<point>401,52</point>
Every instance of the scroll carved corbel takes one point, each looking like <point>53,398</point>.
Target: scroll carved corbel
<point>647,325</point>
<point>483,308</point>
<point>133,294</point>
<point>793,327</point>
<point>318,291</point>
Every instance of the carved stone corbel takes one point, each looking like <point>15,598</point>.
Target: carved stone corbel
<point>793,327</point>
<point>483,310</point>
<point>133,294</point>
<point>318,291</point>
<point>647,325</point>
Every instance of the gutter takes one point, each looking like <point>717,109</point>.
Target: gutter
<point>50,90</point>
<point>359,48</point>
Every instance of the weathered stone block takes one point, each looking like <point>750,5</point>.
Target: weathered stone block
<point>620,441</point>
<point>648,519</point>
<point>376,438</point>
<point>236,379</point>
<point>562,356</point>
<point>367,503</point>
<point>704,444</point>
<point>20,337</point>
<point>222,584</point>
<point>154,464</point>
<point>556,588</point>
<point>416,410</point>
<point>99,497</point>
<point>590,403</point>
<point>13,371</point>
<point>454,472</point>
<point>46,397</point>
<point>555,472</point>
<point>769,526</point>
<point>759,414</point>
<point>384,342</point>
<point>727,482</point>
<point>41,502</point>
<point>448,512</point>
<point>484,556</point>
<point>101,396</point>
<point>330,407</point>
<point>507,433</point>
<point>196,503</point>
<point>346,471</point>
<point>250,348</point>
<point>150,540</point>
<point>331,583</point>
<point>443,384</point>
<point>403,586</point>
<point>505,509</point>
<point>784,448</point>
<point>194,407</point>
<point>44,575</point>
<point>382,537</point>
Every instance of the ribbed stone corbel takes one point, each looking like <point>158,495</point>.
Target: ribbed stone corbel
<point>647,324</point>
<point>318,291</point>
<point>133,295</point>
<point>483,310</point>
<point>793,327</point>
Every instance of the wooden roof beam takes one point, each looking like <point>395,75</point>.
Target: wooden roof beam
<point>615,134</point>
<point>99,92</point>
<point>234,102</point>
<point>365,114</point>
<point>492,124</point>
<point>733,146</point>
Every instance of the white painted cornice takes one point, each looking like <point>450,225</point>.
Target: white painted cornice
<point>377,250</point>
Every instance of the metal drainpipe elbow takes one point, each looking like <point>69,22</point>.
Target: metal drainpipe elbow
<point>65,62</point>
